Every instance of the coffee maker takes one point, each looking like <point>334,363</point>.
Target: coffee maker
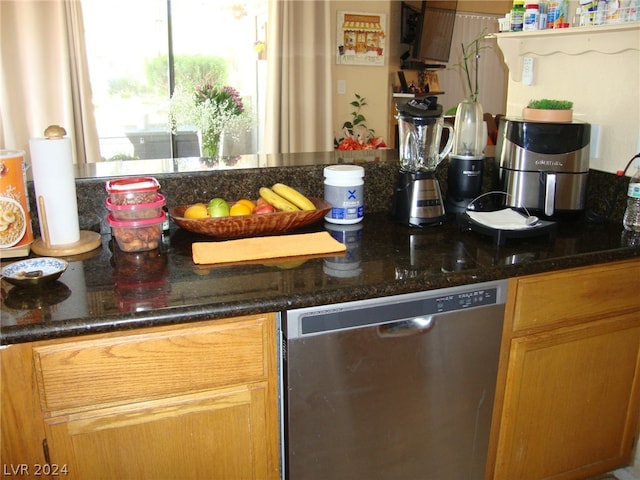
<point>417,200</point>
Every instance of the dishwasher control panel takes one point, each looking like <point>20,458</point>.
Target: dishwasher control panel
<point>475,298</point>
<point>316,320</point>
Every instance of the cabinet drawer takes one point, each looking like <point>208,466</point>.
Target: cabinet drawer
<point>573,295</point>
<point>151,363</point>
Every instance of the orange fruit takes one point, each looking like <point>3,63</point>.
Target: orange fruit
<point>238,209</point>
<point>247,202</point>
<point>197,210</point>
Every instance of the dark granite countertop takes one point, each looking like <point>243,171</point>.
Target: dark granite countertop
<point>108,290</point>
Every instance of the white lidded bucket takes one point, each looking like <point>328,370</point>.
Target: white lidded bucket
<point>344,190</point>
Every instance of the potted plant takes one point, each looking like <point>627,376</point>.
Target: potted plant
<point>469,137</point>
<point>548,110</point>
<point>357,135</point>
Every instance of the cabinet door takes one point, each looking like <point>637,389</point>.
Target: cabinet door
<point>571,401</point>
<point>213,435</point>
<point>187,401</point>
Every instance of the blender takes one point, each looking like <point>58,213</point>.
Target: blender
<point>417,198</point>
<point>466,161</point>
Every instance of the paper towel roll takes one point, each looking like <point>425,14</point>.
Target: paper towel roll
<point>54,182</point>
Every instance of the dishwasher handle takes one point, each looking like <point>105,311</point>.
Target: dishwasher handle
<point>405,328</point>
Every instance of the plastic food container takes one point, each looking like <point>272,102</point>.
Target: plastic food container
<point>132,191</point>
<point>137,211</point>
<point>137,235</point>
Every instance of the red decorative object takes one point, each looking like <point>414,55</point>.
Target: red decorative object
<point>352,143</point>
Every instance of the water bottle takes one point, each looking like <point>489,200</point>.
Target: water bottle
<point>631,219</point>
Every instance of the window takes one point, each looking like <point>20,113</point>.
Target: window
<point>137,51</point>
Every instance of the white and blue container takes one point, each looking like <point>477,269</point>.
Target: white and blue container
<point>347,265</point>
<point>344,190</point>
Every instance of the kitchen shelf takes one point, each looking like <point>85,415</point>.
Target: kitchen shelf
<point>571,31</point>
<point>605,39</point>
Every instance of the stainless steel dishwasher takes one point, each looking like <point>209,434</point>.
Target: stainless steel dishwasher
<point>394,388</point>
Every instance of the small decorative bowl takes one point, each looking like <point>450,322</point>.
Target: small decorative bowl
<point>34,272</point>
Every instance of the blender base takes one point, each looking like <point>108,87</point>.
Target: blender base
<point>426,222</point>
<point>417,200</point>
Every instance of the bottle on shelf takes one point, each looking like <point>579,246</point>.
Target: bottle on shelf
<point>587,13</point>
<point>530,17</point>
<point>601,12</point>
<point>631,219</point>
<point>517,16</point>
<point>557,14</point>
<point>542,14</point>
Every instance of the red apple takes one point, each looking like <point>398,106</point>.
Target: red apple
<point>264,208</point>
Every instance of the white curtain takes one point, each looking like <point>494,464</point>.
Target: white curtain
<point>492,72</point>
<point>44,77</point>
<point>299,62</point>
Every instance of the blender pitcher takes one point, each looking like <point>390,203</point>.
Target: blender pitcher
<point>418,200</point>
<point>419,142</point>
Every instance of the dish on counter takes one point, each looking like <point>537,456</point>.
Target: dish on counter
<point>34,272</point>
<point>250,225</point>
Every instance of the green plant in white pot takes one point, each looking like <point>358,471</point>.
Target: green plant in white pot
<point>548,110</point>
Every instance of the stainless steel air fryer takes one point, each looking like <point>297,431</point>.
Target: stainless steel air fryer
<point>544,166</point>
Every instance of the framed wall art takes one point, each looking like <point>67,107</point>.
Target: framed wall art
<point>361,39</point>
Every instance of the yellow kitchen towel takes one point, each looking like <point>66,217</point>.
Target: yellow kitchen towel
<point>258,248</point>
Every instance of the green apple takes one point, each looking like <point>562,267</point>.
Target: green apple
<point>218,207</point>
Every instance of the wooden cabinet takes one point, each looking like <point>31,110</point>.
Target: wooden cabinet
<point>188,401</point>
<point>567,399</point>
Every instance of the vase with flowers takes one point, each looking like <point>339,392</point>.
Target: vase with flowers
<point>466,160</point>
<point>213,110</point>
<point>469,136</point>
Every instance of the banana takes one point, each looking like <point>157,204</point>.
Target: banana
<point>277,201</point>
<point>294,196</point>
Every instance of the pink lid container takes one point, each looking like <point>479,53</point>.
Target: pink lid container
<point>137,235</point>
<point>137,211</point>
<point>133,190</point>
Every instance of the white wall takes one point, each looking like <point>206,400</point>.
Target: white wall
<point>376,83</point>
<point>598,68</point>
<point>371,82</point>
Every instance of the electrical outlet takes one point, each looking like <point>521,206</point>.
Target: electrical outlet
<point>527,71</point>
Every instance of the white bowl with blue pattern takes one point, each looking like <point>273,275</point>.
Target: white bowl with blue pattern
<point>34,271</point>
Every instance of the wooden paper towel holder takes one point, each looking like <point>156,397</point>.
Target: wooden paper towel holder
<point>42,245</point>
